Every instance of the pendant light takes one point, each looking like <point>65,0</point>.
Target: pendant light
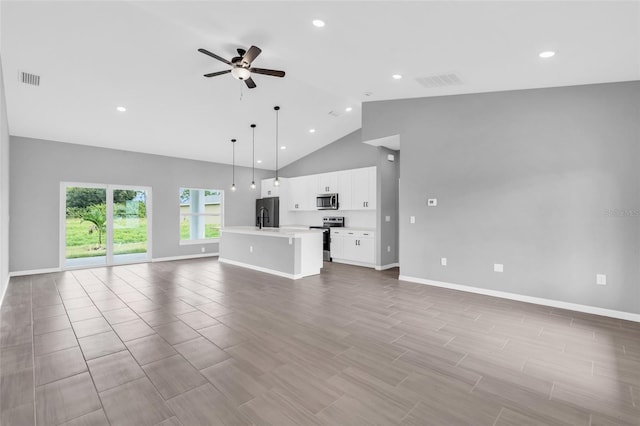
<point>253,157</point>
<point>233,166</point>
<point>276,182</point>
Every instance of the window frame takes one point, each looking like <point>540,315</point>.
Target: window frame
<point>181,215</point>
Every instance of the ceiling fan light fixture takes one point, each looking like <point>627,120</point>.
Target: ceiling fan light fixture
<point>240,73</point>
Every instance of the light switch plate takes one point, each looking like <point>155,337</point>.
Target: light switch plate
<point>443,261</point>
<point>601,279</point>
<point>250,249</point>
<point>498,267</point>
<point>388,249</point>
<point>387,218</point>
<point>432,202</point>
<point>412,219</point>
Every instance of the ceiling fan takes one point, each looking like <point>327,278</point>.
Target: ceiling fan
<point>241,66</point>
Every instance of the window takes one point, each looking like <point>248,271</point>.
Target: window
<point>200,214</point>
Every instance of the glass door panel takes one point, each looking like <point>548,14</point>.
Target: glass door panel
<point>85,224</point>
<point>130,230</point>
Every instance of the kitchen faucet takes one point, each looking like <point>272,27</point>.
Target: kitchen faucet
<point>264,213</point>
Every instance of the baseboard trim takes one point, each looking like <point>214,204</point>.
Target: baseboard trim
<point>629,316</point>
<point>351,262</point>
<point>34,272</point>
<point>185,257</point>
<point>261,269</point>
<point>389,266</point>
<point>6,286</point>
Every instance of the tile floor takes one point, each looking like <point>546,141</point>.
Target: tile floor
<point>200,343</point>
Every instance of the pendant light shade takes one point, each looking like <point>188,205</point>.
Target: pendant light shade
<point>276,182</point>
<point>253,157</point>
<point>233,166</point>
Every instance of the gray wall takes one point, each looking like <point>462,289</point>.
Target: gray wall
<point>387,235</point>
<point>346,153</point>
<point>38,167</point>
<point>4,189</point>
<point>544,181</point>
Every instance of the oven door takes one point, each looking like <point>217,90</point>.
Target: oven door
<point>326,242</point>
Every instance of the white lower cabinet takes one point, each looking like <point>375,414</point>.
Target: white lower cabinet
<point>351,246</point>
<point>337,244</point>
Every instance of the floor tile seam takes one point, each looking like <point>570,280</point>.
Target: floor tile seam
<point>86,364</point>
<point>33,351</point>
<point>498,416</point>
<point>164,400</point>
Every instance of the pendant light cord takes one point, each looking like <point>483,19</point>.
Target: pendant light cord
<point>253,155</point>
<point>233,164</point>
<point>277,108</point>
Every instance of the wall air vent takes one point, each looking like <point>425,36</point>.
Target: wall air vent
<point>441,80</point>
<point>28,78</point>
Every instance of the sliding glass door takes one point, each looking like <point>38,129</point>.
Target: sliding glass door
<point>130,230</point>
<point>104,225</point>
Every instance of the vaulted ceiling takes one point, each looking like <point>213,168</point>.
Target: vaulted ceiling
<point>93,56</point>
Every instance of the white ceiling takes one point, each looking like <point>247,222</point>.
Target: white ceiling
<point>93,56</point>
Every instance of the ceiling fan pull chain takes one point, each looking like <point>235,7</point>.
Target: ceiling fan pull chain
<point>240,89</point>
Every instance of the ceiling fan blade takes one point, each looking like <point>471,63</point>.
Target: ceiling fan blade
<point>250,83</point>
<point>251,55</point>
<point>213,55</point>
<point>213,74</point>
<point>274,73</point>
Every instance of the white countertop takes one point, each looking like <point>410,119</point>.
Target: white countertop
<point>270,232</point>
<point>354,229</point>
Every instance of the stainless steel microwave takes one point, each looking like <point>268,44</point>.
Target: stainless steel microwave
<point>327,202</point>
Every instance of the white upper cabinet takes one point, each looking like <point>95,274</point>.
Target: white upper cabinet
<point>356,189</point>
<point>328,183</point>
<point>363,189</point>
<point>344,190</point>
<point>302,193</point>
<point>268,189</point>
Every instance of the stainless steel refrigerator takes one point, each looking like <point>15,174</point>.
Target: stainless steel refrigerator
<point>268,212</point>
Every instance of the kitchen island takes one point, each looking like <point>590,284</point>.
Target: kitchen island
<point>286,252</point>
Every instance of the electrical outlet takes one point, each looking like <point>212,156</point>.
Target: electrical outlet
<point>498,267</point>
<point>412,219</point>
<point>443,261</point>
<point>202,249</point>
<point>250,249</point>
<point>601,279</point>
<point>432,202</point>
<point>388,249</point>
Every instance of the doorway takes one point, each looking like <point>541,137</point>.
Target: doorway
<point>104,225</point>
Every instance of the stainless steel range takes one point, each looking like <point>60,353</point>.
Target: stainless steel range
<point>328,222</point>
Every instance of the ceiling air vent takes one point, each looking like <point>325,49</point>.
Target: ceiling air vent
<point>441,80</point>
<point>28,78</point>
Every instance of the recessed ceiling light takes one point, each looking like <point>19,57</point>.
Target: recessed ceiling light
<point>318,23</point>
<point>259,161</point>
<point>283,147</point>
<point>396,76</point>
<point>547,54</point>
<point>121,109</point>
<point>348,109</point>
<point>312,130</point>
